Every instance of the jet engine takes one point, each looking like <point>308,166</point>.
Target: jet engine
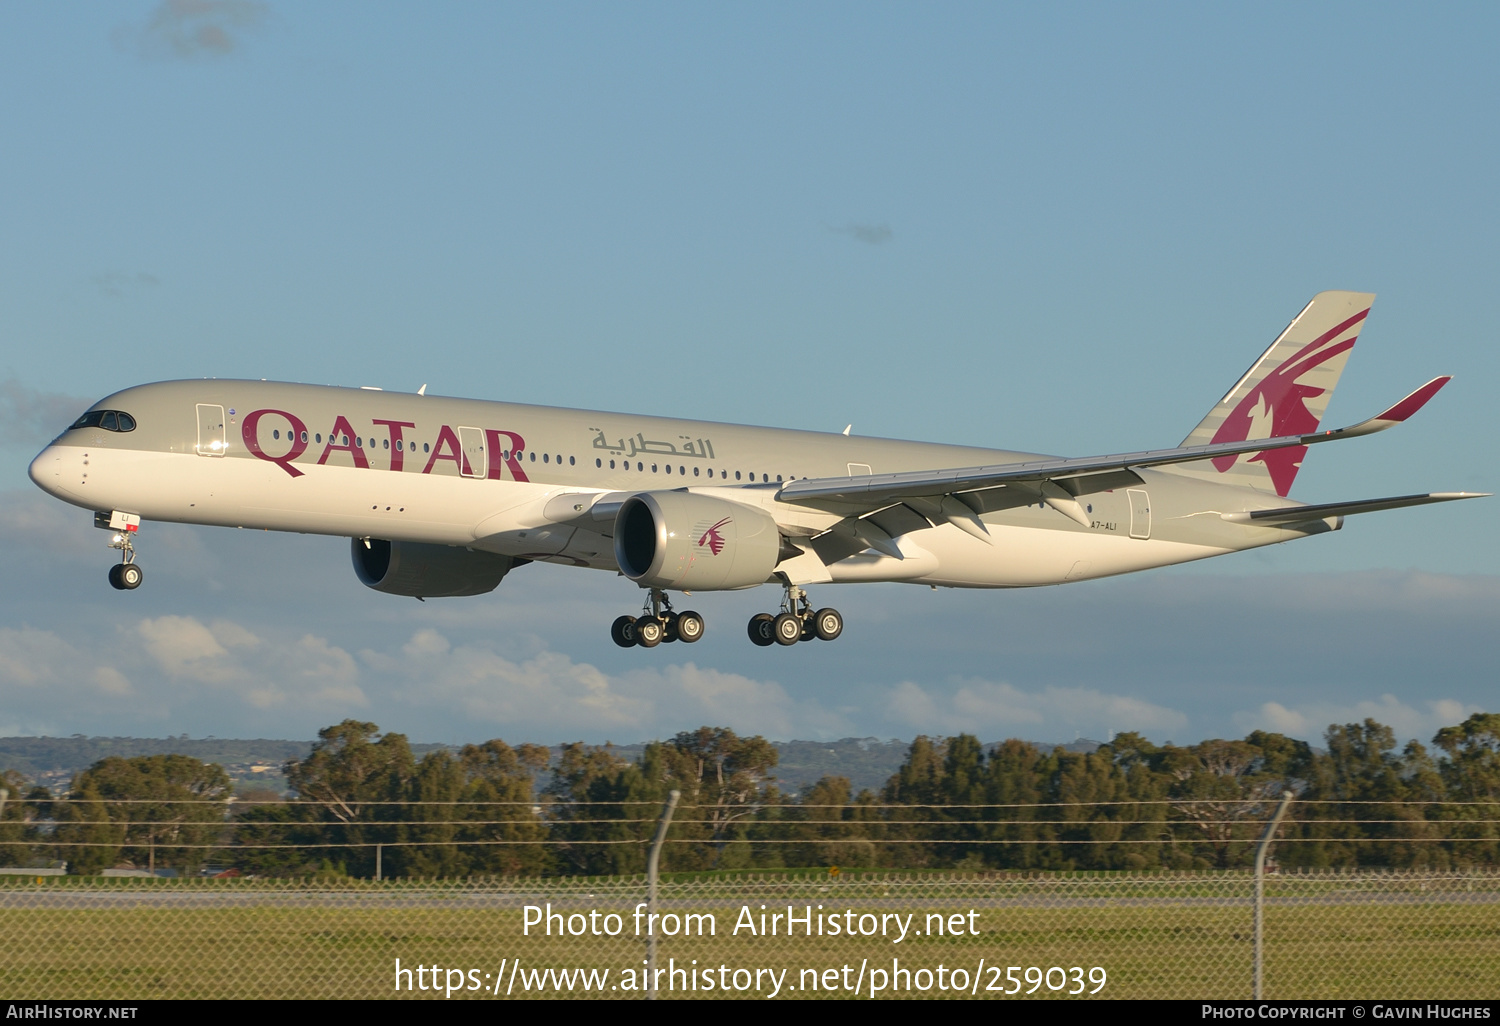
<point>427,571</point>
<point>688,542</point>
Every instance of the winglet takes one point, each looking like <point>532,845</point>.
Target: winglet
<point>1414,402</point>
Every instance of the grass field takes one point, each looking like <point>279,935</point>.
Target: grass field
<point>1177,937</point>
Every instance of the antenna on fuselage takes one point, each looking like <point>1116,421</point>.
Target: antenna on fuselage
<point>423,389</point>
<point>846,429</point>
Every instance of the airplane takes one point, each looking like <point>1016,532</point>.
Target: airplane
<point>445,496</point>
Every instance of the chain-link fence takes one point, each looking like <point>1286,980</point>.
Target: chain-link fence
<point>1410,934</point>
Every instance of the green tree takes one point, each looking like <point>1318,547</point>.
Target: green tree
<point>147,811</point>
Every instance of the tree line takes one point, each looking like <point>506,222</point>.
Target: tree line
<point>1361,800</point>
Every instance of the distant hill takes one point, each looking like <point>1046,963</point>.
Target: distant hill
<point>868,762</point>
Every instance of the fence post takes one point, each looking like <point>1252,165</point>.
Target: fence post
<point>653,861</point>
<point>378,847</point>
<point>1260,890</point>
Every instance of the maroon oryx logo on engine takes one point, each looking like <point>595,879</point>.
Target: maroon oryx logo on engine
<point>712,539</point>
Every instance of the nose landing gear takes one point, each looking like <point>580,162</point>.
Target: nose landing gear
<point>657,623</point>
<point>796,622</point>
<point>124,575</point>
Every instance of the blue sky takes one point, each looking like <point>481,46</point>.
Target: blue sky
<point>1063,228</point>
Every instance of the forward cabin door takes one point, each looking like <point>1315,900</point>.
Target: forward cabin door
<point>1140,513</point>
<point>211,440</point>
<point>471,442</point>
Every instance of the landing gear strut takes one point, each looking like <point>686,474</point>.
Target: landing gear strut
<point>124,575</point>
<point>796,622</point>
<point>658,622</point>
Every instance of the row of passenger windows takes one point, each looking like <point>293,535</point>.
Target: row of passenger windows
<point>682,470</point>
<point>116,420</point>
<point>547,457</point>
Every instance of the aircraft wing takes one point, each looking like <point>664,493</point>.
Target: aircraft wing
<point>1320,511</point>
<point>878,507</point>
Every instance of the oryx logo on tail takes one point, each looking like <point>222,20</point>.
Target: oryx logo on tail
<point>1284,393</point>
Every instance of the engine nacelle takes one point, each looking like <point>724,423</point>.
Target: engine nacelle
<point>427,571</point>
<point>689,542</point>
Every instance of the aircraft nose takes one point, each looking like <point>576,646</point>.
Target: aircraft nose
<point>46,470</point>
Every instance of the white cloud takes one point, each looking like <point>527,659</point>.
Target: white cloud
<point>548,691</point>
<point>1309,721</point>
<point>997,710</point>
<point>184,647</point>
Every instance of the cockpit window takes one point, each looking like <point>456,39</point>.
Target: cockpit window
<point>109,420</point>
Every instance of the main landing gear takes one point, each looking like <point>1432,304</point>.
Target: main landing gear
<point>796,622</point>
<point>124,575</point>
<point>658,622</point>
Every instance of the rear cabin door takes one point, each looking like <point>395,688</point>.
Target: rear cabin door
<point>211,439</point>
<point>471,442</point>
<point>1140,513</point>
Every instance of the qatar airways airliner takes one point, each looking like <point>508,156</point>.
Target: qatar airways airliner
<point>444,497</point>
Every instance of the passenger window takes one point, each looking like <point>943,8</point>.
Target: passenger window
<point>778,477</point>
<point>544,457</point>
<point>682,470</point>
<point>669,468</point>
<point>640,467</point>
<point>385,443</point>
<point>570,461</point>
<point>108,423</point>
<point>424,446</point>
<point>653,468</point>
<point>695,471</point>
<point>398,445</point>
<point>276,434</point>
<point>533,457</point>
<point>304,436</point>
<point>736,475</point>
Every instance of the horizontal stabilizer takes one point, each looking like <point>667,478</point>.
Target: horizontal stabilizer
<point>1321,511</point>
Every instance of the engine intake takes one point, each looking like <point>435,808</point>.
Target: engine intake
<point>690,542</point>
<point>427,571</point>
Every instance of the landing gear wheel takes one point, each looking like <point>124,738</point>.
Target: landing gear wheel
<point>125,576</point>
<point>689,627</point>
<point>623,632</point>
<point>669,629</point>
<point>786,629</point>
<point>828,624</point>
<point>760,629</point>
<point>648,632</point>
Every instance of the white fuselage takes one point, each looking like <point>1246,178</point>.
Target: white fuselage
<point>521,481</point>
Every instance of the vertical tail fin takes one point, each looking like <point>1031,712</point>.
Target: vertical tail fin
<point>1285,392</point>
